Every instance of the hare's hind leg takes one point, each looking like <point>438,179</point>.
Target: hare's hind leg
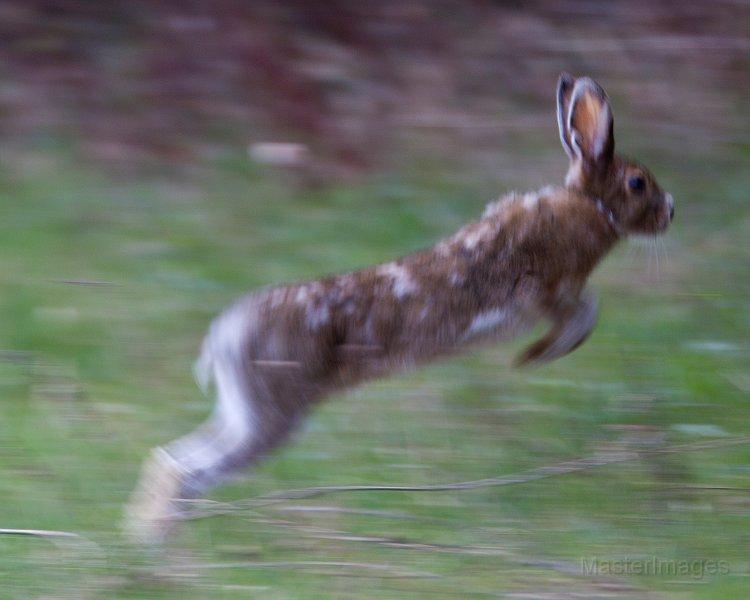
<point>237,434</point>
<point>227,441</point>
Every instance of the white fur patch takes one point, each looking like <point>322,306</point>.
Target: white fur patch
<point>229,330</point>
<point>547,191</point>
<point>277,297</point>
<point>346,282</point>
<point>443,249</point>
<point>496,207</point>
<point>476,234</point>
<point>317,310</point>
<point>424,313</point>
<point>403,284</point>
<point>486,321</point>
<point>575,174</point>
<point>317,316</point>
<point>530,200</point>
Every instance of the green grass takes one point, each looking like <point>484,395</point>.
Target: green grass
<point>94,374</point>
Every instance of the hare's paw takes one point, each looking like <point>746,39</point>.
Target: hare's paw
<point>572,327</point>
<point>152,512</point>
<point>534,353</point>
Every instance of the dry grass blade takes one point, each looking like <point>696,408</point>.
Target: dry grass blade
<point>66,539</point>
<point>201,510</point>
<point>43,533</point>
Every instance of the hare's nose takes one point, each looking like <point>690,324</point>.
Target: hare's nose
<point>670,204</point>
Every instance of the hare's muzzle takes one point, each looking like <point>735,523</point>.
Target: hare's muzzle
<point>665,212</point>
<point>670,205</point>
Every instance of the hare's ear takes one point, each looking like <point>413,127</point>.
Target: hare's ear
<point>590,122</point>
<point>565,85</point>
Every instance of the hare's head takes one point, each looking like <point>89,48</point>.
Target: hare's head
<point>626,189</point>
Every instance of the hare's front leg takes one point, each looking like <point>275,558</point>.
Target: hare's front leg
<point>572,324</point>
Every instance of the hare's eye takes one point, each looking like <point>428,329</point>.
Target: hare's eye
<point>636,184</point>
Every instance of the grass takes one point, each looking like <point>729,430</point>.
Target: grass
<point>107,287</point>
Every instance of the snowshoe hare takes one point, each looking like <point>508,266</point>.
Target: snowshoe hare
<point>277,352</point>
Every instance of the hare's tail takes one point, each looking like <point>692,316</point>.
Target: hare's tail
<point>224,342</point>
<point>203,368</point>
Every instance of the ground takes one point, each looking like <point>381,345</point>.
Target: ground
<point>108,286</point>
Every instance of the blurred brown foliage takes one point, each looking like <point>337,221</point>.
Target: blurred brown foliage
<point>138,82</point>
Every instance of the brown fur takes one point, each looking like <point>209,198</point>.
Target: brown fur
<point>530,260</point>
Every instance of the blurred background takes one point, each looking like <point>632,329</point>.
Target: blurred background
<point>157,159</point>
